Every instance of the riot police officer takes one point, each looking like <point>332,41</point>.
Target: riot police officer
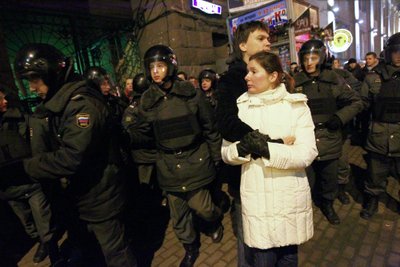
<point>382,89</point>
<point>332,105</point>
<point>76,149</point>
<point>25,197</point>
<point>188,145</point>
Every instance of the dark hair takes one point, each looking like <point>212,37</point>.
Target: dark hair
<point>183,73</point>
<point>371,54</point>
<point>270,63</point>
<point>242,34</point>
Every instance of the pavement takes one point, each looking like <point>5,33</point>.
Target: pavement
<point>355,242</point>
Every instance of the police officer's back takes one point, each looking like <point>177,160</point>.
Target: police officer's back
<point>80,149</point>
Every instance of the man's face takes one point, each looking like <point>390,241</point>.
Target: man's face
<point>257,42</point>
<point>128,85</point>
<point>336,64</point>
<point>3,102</point>
<point>370,60</point>
<point>310,62</point>
<point>194,82</point>
<point>206,84</point>
<point>158,71</point>
<point>105,87</point>
<point>293,67</point>
<point>396,58</point>
<point>352,65</point>
<point>39,87</point>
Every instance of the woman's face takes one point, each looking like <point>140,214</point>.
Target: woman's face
<point>258,79</point>
<point>206,84</point>
<point>158,71</point>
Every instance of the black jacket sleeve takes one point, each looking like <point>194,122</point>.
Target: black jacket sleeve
<point>230,87</point>
<point>75,143</point>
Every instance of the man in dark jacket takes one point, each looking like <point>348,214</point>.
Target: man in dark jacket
<point>250,38</point>
<point>78,150</point>
<point>26,198</point>
<point>332,104</point>
<point>382,89</point>
<point>188,146</point>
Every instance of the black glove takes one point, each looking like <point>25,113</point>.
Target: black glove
<point>334,123</point>
<point>242,149</point>
<point>257,143</point>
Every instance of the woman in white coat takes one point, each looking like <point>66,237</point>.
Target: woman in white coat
<point>275,194</point>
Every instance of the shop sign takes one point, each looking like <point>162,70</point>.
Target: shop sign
<point>303,23</point>
<point>207,7</point>
<point>243,5</point>
<point>274,15</point>
<point>342,40</point>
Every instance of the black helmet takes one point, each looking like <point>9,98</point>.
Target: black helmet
<point>95,76</point>
<point>161,53</point>
<point>43,61</point>
<point>310,47</point>
<point>209,74</point>
<point>392,45</point>
<point>140,83</point>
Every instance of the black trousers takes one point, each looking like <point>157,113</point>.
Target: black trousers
<point>111,236</point>
<point>33,210</point>
<point>324,174</point>
<point>379,168</point>
<point>274,257</point>
<point>181,207</point>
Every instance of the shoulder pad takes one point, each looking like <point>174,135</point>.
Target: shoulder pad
<point>296,97</point>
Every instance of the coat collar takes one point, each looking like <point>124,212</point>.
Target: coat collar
<point>58,102</point>
<point>267,97</point>
<point>154,93</point>
<point>327,76</point>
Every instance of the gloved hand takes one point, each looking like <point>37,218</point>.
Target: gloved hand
<point>334,123</point>
<point>242,149</point>
<point>257,143</point>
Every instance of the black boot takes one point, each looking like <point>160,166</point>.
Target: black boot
<point>329,212</point>
<point>217,235</point>
<point>41,253</point>
<point>342,195</point>
<point>191,255</point>
<point>370,208</point>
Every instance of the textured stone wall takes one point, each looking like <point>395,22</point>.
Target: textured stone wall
<point>188,32</point>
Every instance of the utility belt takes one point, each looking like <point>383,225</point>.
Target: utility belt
<point>181,150</point>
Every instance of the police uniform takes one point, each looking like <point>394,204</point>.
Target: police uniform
<point>25,197</point>
<point>77,140</point>
<point>382,89</point>
<point>188,145</point>
<point>327,97</point>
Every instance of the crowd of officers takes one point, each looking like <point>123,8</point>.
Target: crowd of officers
<point>112,173</point>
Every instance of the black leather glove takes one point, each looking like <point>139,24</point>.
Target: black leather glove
<point>242,149</point>
<point>257,143</point>
<point>334,123</point>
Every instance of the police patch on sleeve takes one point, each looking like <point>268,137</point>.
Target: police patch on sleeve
<point>83,120</point>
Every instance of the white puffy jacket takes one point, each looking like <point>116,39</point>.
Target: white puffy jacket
<point>275,194</point>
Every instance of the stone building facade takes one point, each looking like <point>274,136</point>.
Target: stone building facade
<point>199,40</point>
